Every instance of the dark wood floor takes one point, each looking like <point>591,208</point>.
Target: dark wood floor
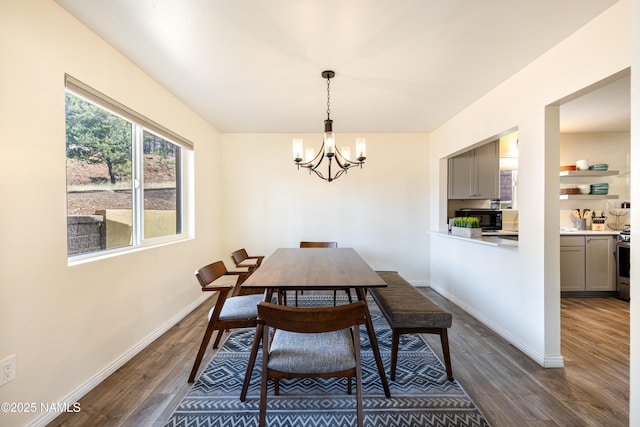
<point>508,387</point>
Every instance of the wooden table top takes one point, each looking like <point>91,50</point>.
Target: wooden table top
<point>314,268</point>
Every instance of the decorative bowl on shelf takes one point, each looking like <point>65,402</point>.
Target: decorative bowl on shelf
<point>570,190</point>
<point>584,188</point>
<point>600,189</point>
<point>599,167</point>
<point>582,165</point>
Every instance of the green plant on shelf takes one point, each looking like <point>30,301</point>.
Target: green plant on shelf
<point>466,222</point>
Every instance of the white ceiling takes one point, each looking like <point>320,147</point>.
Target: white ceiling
<point>401,65</point>
<point>604,108</point>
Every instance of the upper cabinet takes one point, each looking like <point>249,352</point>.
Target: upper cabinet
<point>475,174</point>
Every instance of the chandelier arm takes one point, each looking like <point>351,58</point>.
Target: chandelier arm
<point>346,163</point>
<point>342,164</point>
<point>319,174</point>
<point>311,163</point>
<point>339,174</point>
<point>321,155</point>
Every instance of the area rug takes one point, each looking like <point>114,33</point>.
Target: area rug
<point>420,395</point>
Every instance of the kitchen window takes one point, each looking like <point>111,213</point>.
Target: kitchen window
<point>125,176</point>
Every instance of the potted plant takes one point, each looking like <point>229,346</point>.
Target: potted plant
<point>466,227</point>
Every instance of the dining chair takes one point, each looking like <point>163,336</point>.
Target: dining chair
<point>243,260</point>
<point>310,342</point>
<point>324,245</point>
<point>234,308</point>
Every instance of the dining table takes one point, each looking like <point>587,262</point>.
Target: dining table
<point>305,269</point>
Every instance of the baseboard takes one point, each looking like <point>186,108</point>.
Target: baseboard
<point>419,283</point>
<point>544,361</point>
<point>89,385</point>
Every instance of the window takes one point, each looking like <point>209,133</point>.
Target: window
<point>124,175</point>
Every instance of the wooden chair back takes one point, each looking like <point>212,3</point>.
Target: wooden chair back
<point>318,244</point>
<point>210,273</point>
<point>312,320</point>
<point>239,255</point>
<point>243,260</point>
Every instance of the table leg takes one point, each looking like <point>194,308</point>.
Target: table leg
<point>374,344</point>
<point>268,294</point>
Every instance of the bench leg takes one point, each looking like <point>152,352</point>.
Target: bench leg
<point>444,340</point>
<point>395,344</point>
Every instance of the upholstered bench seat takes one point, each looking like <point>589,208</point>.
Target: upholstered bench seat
<point>407,310</point>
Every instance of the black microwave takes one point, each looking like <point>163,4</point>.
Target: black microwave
<point>490,219</point>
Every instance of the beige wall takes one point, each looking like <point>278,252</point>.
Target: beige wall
<point>516,291</point>
<point>71,326</point>
<point>381,210</point>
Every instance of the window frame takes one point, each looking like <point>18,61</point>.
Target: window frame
<point>184,162</point>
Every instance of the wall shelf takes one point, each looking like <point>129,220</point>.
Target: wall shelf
<point>588,173</point>
<point>567,176</point>
<point>587,196</point>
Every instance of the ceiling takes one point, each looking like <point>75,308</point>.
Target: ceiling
<point>401,65</point>
<point>605,107</point>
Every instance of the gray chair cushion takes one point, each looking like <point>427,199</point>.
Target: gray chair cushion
<point>308,353</point>
<point>406,307</point>
<point>240,307</point>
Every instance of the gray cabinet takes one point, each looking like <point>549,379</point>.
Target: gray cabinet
<point>572,264</point>
<point>600,263</point>
<point>587,263</point>
<point>475,174</point>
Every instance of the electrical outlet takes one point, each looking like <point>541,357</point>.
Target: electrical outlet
<point>8,369</point>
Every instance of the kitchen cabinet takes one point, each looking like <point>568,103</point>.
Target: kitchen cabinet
<point>587,263</point>
<point>475,174</point>
<point>600,263</point>
<point>572,264</point>
<point>586,177</point>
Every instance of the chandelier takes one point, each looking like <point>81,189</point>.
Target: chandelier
<point>329,150</point>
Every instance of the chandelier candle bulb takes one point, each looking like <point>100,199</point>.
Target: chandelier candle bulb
<point>361,149</point>
<point>297,149</point>
<point>309,154</point>
<point>329,144</point>
<point>346,152</point>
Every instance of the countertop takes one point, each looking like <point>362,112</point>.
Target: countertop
<point>575,232</point>
<point>509,239</point>
<point>563,232</point>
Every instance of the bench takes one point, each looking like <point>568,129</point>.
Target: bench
<point>409,311</point>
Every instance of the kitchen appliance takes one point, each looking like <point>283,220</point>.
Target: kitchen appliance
<point>490,219</point>
<point>623,264</point>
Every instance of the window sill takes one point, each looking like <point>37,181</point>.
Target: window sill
<point>110,253</point>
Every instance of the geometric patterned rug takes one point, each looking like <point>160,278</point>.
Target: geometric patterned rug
<point>421,395</point>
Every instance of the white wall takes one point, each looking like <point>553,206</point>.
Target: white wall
<point>71,326</point>
<point>381,210</point>
<point>517,292</point>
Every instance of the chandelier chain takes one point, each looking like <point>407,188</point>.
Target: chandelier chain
<point>328,99</point>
